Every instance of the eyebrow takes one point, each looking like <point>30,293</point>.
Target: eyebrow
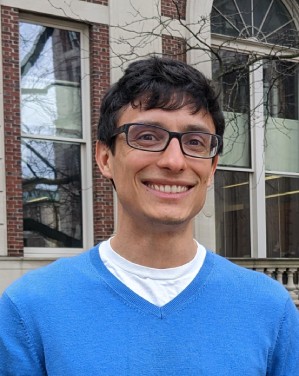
<point>186,128</point>
<point>197,128</point>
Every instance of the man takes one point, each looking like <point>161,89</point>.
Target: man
<point>151,300</point>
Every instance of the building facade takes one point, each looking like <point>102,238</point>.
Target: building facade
<point>59,58</point>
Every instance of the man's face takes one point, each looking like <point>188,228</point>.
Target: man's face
<point>158,188</point>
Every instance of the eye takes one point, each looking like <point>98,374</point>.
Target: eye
<point>147,136</point>
<point>195,140</point>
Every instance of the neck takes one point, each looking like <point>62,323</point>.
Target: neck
<point>162,247</point>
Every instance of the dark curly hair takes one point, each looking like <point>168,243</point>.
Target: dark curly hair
<point>158,83</point>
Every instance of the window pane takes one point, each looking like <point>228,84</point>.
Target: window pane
<point>51,194</point>
<point>260,9</point>
<point>225,18</point>
<point>282,210</point>
<point>232,214</point>
<point>281,112</point>
<point>234,98</point>
<point>50,81</point>
<point>266,21</point>
<point>279,28</point>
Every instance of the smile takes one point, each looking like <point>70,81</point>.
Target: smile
<point>168,188</point>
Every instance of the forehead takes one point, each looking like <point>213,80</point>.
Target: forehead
<point>180,120</point>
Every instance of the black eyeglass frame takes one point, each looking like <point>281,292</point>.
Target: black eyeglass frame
<point>178,135</point>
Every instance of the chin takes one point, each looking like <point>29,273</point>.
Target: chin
<point>170,221</point>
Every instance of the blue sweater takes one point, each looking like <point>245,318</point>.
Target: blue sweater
<point>74,318</point>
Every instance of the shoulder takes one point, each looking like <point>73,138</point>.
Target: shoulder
<point>54,278</point>
<point>251,285</point>
<point>262,309</point>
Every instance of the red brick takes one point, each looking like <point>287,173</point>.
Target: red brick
<point>10,43</point>
<point>173,8</point>
<point>100,82</point>
<point>174,48</point>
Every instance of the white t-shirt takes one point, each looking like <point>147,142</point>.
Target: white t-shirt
<point>158,286</point>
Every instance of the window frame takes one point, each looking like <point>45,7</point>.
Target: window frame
<point>84,141</point>
<point>205,221</point>
<point>257,172</point>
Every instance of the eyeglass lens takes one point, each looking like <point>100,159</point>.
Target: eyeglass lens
<point>151,138</point>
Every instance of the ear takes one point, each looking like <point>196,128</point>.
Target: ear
<point>103,158</point>
<point>213,169</point>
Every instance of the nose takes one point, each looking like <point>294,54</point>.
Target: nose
<point>172,157</point>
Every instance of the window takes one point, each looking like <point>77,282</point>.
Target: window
<point>234,99</point>
<point>266,21</point>
<point>232,213</point>
<point>54,139</point>
<point>256,185</point>
<point>282,205</point>
<point>281,116</point>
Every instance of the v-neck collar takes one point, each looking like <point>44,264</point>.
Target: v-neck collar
<point>192,291</point>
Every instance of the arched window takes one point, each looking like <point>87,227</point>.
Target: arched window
<point>266,21</point>
<point>257,185</point>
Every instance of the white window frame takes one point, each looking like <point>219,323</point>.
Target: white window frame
<point>85,142</point>
<point>257,173</point>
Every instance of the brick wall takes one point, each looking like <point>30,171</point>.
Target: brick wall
<point>174,47</point>
<point>100,82</point>
<point>12,132</point>
<point>173,8</point>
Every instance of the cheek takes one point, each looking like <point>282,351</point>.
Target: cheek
<point>205,173</point>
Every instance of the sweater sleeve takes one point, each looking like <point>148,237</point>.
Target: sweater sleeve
<point>17,354</point>
<point>284,360</point>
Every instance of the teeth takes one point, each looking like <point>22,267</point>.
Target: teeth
<point>168,188</point>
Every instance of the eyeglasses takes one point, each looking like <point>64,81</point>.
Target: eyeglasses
<point>147,137</point>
